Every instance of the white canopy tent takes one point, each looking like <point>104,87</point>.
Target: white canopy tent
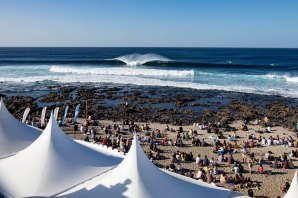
<point>137,177</point>
<point>293,190</point>
<point>51,164</point>
<point>14,135</point>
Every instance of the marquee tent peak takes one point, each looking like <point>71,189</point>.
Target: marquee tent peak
<point>54,163</point>
<point>14,135</point>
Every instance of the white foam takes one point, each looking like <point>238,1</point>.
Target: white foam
<point>292,79</point>
<point>140,59</point>
<point>93,78</point>
<point>122,71</point>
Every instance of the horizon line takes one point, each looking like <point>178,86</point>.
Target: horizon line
<point>144,47</point>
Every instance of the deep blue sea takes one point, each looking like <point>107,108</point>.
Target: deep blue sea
<point>260,71</point>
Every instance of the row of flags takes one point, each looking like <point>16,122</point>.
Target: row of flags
<point>56,112</point>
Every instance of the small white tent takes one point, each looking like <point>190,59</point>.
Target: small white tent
<point>293,190</point>
<point>14,135</point>
<point>137,177</point>
<point>51,164</point>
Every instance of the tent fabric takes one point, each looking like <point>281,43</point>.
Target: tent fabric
<point>136,176</point>
<point>293,190</point>
<point>51,164</point>
<point>14,135</point>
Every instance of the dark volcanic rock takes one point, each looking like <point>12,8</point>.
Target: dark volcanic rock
<point>17,104</point>
<point>282,115</point>
<point>163,104</point>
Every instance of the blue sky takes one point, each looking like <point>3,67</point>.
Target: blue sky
<point>149,23</point>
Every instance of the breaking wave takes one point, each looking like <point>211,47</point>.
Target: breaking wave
<point>140,59</point>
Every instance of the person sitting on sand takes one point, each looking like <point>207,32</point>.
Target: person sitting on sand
<point>257,121</point>
<point>215,170</point>
<point>285,187</point>
<point>179,143</point>
<point>191,133</point>
<point>172,167</point>
<point>250,192</point>
<point>263,141</point>
<point>237,179</point>
<point>223,178</point>
<point>213,162</point>
<point>290,163</point>
<point>235,168</point>
<point>200,174</point>
<point>268,129</point>
<point>284,157</point>
<point>290,143</point>
<point>215,148</point>
<point>205,161</point>
<point>86,139</point>
<point>275,164</point>
<point>261,169</point>
<point>230,159</point>
<point>179,168</point>
<point>268,156</point>
<point>203,143</point>
<point>202,127</point>
<point>244,127</point>
<point>209,177</point>
<point>198,160</point>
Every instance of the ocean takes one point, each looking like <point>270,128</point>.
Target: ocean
<point>246,70</point>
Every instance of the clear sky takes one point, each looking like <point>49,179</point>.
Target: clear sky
<point>149,23</point>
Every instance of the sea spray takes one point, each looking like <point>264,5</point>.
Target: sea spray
<point>140,59</point>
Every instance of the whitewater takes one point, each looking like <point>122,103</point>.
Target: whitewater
<point>122,71</point>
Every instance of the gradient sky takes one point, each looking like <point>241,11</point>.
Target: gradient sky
<point>149,23</point>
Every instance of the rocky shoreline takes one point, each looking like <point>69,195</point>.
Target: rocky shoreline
<point>165,105</point>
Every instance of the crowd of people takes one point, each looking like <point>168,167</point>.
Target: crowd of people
<point>207,168</point>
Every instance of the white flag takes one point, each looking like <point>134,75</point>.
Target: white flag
<point>26,112</point>
<point>43,115</point>
<point>56,111</point>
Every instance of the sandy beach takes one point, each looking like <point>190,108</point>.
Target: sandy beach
<point>269,184</point>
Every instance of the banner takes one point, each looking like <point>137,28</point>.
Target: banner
<point>56,111</point>
<point>43,115</point>
<point>26,112</point>
<point>65,114</point>
<point>76,113</point>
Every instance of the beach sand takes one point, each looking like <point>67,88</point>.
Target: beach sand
<point>270,184</point>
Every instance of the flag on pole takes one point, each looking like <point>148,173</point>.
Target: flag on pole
<point>76,113</point>
<point>26,112</point>
<point>65,114</point>
<point>56,111</point>
<point>43,115</point>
